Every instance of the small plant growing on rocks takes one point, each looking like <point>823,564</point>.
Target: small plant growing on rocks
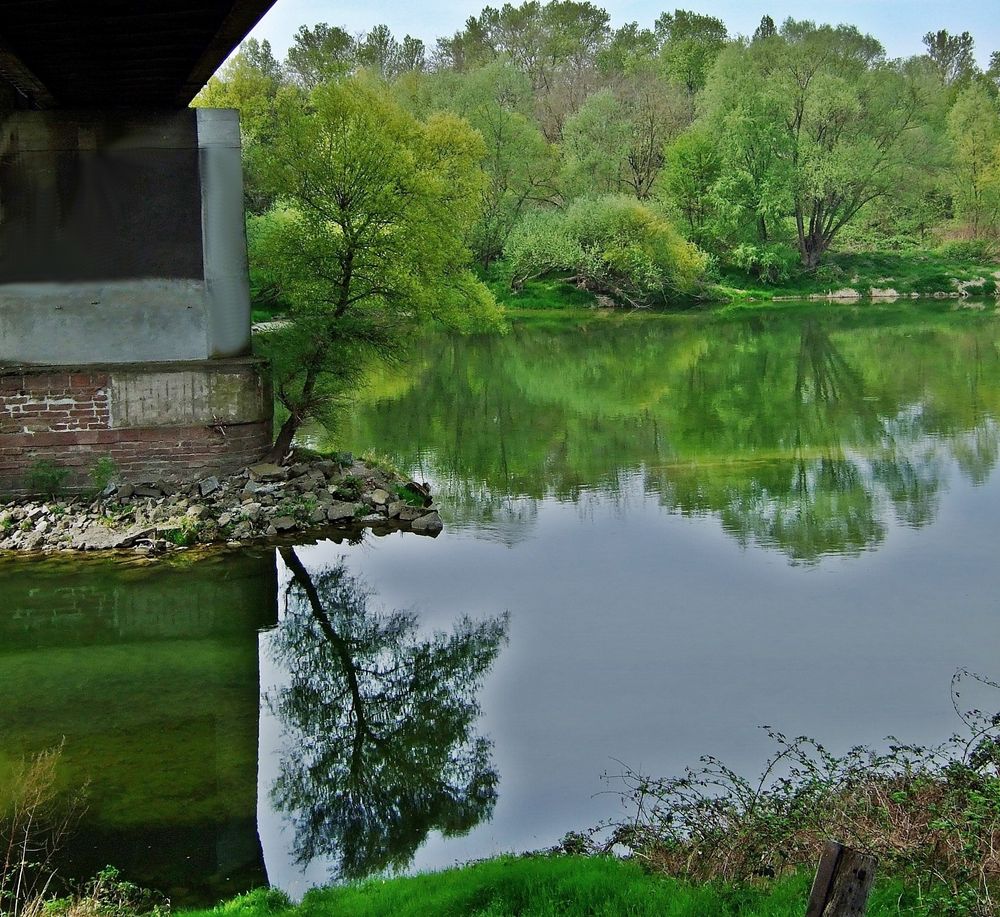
<point>46,478</point>
<point>350,488</point>
<point>410,495</point>
<point>103,472</point>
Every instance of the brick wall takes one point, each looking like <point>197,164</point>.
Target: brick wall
<point>165,420</point>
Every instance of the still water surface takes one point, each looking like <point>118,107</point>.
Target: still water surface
<point>660,534</point>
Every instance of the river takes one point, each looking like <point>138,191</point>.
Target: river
<point>661,532</point>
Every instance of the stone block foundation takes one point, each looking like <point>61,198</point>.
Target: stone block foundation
<point>163,420</point>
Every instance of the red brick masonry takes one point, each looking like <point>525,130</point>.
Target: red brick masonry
<point>154,420</point>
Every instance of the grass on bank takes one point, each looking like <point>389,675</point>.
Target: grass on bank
<point>922,272</point>
<point>545,886</point>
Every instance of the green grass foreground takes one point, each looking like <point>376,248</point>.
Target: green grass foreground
<point>545,886</point>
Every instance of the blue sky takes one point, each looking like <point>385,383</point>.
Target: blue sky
<point>898,24</point>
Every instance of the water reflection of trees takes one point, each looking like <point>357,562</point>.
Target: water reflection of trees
<point>381,737</point>
<point>805,434</point>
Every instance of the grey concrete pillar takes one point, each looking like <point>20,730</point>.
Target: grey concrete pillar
<point>121,237</point>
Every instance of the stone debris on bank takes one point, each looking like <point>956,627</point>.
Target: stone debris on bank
<point>259,503</point>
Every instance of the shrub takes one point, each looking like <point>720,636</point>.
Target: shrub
<point>539,245</point>
<point>768,263</point>
<point>350,488</point>
<point>46,478</point>
<point>969,250</point>
<point>929,815</point>
<point>103,473</point>
<point>613,245</point>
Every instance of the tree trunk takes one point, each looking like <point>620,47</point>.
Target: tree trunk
<point>283,441</point>
<point>811,250</point>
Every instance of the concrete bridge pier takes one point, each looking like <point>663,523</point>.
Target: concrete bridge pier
<point>124,296</point>
<point>124,301</point>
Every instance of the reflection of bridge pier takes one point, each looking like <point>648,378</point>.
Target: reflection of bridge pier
<point>152,676</point>
<point>124,296</point>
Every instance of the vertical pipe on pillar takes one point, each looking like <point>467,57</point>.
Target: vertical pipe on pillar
<point>224,232</point>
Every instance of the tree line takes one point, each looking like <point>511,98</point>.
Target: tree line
<point>388,182</point>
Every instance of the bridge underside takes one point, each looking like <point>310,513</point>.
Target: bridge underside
<point>122,240</point>
<point>118,53</point>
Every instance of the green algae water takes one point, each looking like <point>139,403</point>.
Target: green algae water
<point>661,533</point>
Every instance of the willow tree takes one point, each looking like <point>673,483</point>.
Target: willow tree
<point>831,117</point>
<point>974,133</point>
<point>367,240</point>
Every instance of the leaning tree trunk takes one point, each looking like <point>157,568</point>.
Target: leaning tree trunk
<point>283,441</point>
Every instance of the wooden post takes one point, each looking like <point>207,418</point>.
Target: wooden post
<point>843,880</point>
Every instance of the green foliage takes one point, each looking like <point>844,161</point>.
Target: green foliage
<point>551,292</point>
<point>983,250</point>
<point>46,478</point>
<point>521,166</point>
<point>814,126</point>
<point>974,131</point>
<point>349,488</point>
<point>109,894</point>
<point>615,246</point>
<point>929,815</point>
<point>613,144</point>
<point>803,135</point>
<point>185,534</point>
<point>692,169</point>
<point>690,44</point>
<point>102,473</point>
<point>771,264</point>
<point>952,55</point>
<point>368,241</point>
<point>410,496</point>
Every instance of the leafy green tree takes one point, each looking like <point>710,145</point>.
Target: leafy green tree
<point>381,725</point>
<point>629,47</point>
<point>766,29</point>
<point>249,82</point>
<point>818,125</point>
<point>952,55</point>
<point>556,45</point>
<point>993,71</point>
<point>320,54</point>
<point>370,240</point>
<point>689,44</point>
<point>691,170</point>
<point>974,131</point>
<point>521,166</point>
<point>753,194</point>
<point>614,143</point>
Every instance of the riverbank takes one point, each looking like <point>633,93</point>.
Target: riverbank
<point>865,276</point>
<point>545,886</point>
<point>261,503</point>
